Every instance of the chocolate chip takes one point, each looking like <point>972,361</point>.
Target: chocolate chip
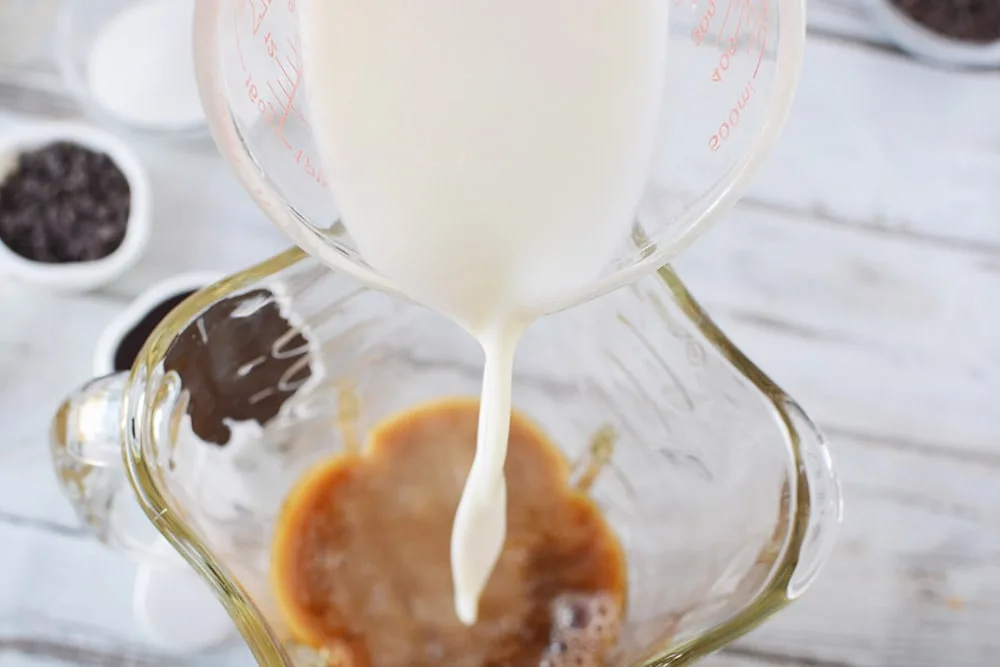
<point>64,203</point>
<point>976,21</point>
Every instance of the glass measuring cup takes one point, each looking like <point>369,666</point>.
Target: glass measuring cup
<point>731,71</point>
<point>718,486</point>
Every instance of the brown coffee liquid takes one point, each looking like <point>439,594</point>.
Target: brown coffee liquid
<point>361,557</point>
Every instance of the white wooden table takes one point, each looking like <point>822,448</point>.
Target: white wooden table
<point>859,273</point>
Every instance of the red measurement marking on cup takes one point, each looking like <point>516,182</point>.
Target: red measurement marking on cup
<point>725,20</point>
<point>291,71</point>
<point>275,98</point>
<point>760,36</point>
<point>725,59</point>
<point>750,28</point>
<point>704,23</point>
<point>732,120</point>
<point>258,11</point>
<point>745,8</point>
<point>748,35</point>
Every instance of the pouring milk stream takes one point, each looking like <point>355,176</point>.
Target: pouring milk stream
<point>487,157</point>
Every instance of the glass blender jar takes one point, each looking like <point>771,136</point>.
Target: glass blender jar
<point>719,488</point>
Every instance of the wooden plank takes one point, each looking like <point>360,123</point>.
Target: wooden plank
<point>878,140</point>
<point>885,336</point>
<point>62,610</point>
<point>845,19</point>
<point>741,655</point>
<point>915,578</point>
<point>46,350</point>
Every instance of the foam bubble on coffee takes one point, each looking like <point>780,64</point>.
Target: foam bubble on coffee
<point>584,626</point>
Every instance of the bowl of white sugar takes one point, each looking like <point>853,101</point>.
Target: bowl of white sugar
<point>131,63</point>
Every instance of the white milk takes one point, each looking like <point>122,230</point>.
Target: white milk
<point>487,156</point>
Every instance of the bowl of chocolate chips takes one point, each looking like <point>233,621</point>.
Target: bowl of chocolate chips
<point>949,33</point>
<point>75,206</point>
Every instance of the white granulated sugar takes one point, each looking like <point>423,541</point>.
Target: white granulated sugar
<point>141,67</point>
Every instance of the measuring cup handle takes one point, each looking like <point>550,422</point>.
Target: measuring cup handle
<point>85,445</point>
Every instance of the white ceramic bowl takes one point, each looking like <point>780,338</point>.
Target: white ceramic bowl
<point>80,25</point>
<point>114,333</point>
<point>81,276</point>
<point>924,44</point>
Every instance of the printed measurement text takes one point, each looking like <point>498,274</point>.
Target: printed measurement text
<point>727,126</point>
<point>276,118</point>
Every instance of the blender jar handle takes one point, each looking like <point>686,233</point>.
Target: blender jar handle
<point>85,445</point>
<point>825,514</point>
